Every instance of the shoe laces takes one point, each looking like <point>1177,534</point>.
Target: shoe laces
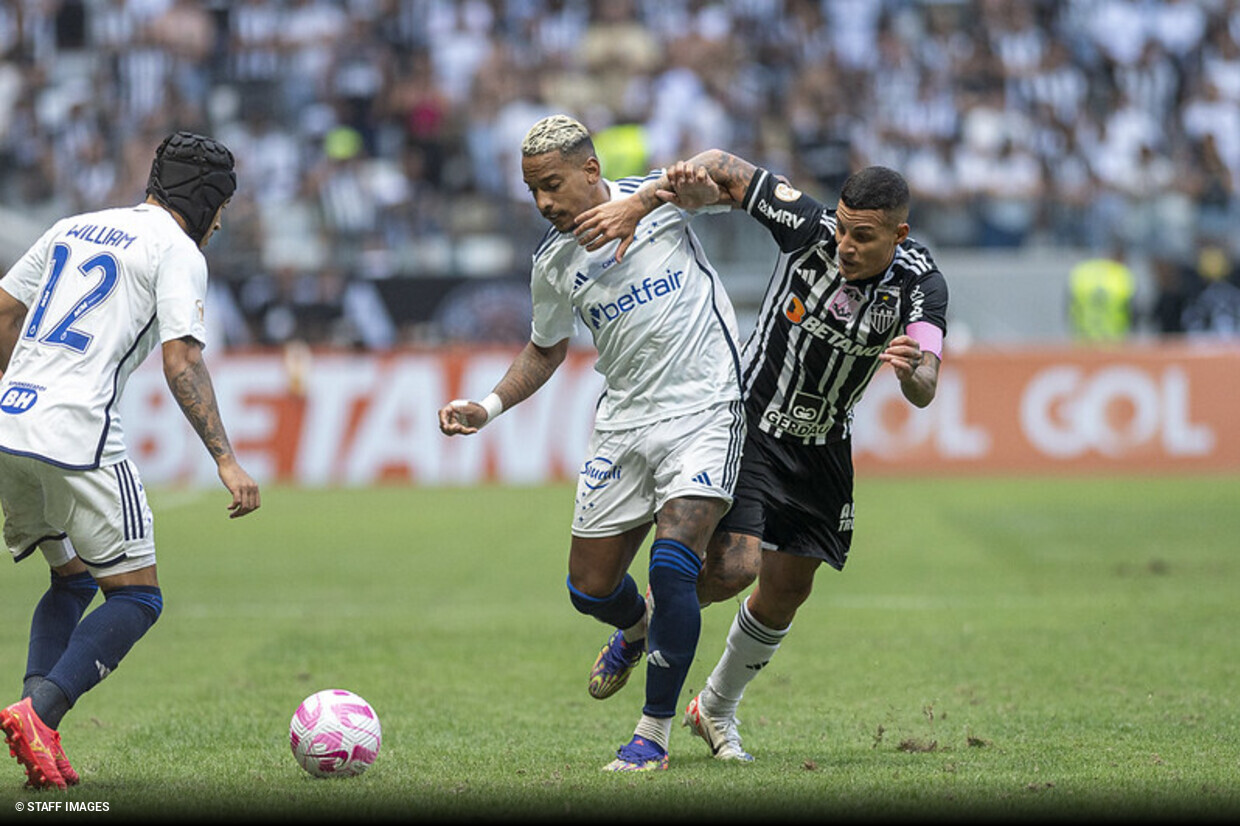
<point>622,655</point>
<point>640,750</point>
<point>725,725</point>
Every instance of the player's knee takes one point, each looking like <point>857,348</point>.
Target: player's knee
<point>732,564</point>
<point>719,581</point>
<point>149,600</point>
<point>622,608</point>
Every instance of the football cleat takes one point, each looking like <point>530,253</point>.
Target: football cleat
<point>62,762</point>
<point>34,745</point>
<point>639,755</point>
<point>614,664</point>
<point>719,734</point>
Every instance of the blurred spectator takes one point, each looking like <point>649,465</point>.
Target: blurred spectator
<point>1176,281</point>
<point>1214,312</point>
<point>1101,292</point>
<point>374,136</point>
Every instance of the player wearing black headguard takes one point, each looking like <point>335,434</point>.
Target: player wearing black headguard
<point>192,176</point>
<point>79,312</point>
<point>850,290</point>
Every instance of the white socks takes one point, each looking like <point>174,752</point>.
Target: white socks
<point>750,647</point>
<point>656,729</point>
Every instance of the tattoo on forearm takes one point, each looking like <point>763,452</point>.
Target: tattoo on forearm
<point>193,392</point>
<point>730,172</point>
<point>646,195</point>
<point>528,373</point>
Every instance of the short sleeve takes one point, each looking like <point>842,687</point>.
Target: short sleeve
<point>181,293</point>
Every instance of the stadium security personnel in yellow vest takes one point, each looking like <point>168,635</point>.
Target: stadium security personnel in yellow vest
<point>1100,299</point>
<point>622,150</point>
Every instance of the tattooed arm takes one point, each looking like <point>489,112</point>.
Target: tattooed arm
<point>529,371</point>
<point>731,173</point>
<point>710,177</point>
<point>190,383</point>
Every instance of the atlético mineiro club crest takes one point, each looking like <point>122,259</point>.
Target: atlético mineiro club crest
<point>884,311</point>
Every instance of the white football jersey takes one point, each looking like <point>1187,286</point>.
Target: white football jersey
<point>661,320</point>
<point>102,290</point>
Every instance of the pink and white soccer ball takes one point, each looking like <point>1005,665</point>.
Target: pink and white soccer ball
<point>335,733</point>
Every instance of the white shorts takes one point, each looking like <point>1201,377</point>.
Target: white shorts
<point>631,474</point>
<point>100,516</point>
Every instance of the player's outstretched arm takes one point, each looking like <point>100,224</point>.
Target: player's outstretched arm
<point>529,371</point>
<point>12,313</point>
<point>190,383</point>
<point>708,178</point>
<point>731,173</point>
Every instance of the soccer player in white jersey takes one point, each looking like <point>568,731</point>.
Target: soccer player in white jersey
<point>850,291</point>
<point>668,428</point>
<point>78,313</point>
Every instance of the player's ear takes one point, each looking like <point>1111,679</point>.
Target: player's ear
<point>901,233</point>
<point>593,169</point>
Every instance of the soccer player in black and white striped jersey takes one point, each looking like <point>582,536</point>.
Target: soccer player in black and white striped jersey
<point>850,291</point>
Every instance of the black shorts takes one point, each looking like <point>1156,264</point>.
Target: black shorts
<point>797,498</point>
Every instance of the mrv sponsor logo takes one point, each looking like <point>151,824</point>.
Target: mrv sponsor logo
<point>638,295</point>
<point>19,398</point>
<point>786,217</point>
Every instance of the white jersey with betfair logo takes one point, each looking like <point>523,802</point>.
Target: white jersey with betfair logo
<point>102,290</point>
<point>660,319</point>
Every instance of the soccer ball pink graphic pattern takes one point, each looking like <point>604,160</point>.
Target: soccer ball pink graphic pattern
<point>335,733</point>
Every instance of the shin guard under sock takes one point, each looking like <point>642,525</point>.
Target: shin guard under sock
<point>55,618</point>
<point>101,640</point>
<point>675,624</point>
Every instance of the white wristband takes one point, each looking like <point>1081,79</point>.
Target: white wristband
<point>492,405</point>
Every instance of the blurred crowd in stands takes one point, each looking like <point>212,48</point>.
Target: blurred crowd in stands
<point>377,139</point>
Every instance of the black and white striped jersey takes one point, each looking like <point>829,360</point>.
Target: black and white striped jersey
<point>816,343</point>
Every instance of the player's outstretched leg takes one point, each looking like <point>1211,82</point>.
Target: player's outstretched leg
<point>35,745</point>
<point>625,609</point>
<point>614,665</point>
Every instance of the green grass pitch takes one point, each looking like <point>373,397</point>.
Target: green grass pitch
<point>995,648</point>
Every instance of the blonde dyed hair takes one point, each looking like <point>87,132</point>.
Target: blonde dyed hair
<point>557,133</point>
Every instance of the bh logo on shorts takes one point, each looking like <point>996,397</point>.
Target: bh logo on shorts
<point>598,472</point>
<point>18,399</point>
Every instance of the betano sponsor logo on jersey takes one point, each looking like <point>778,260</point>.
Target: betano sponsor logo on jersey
<point>795,311</point>
<point>19,398</point>
<point>638,295</point>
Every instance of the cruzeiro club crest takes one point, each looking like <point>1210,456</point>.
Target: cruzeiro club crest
<point>884,311</point>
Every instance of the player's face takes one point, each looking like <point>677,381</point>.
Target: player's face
<point>562,187</point>
<point>215,224</point>
<point>866,240</point>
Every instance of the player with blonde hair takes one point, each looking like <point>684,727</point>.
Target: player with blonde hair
<point>667,434</point>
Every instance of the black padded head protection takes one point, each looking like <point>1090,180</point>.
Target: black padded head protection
<point>192,175</point>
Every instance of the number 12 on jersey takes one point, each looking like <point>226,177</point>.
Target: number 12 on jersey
<point>62,334</point>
